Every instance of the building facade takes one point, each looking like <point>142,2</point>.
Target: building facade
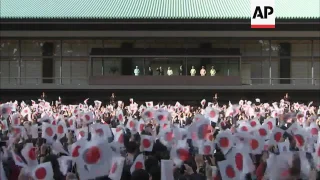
<point>97,45</point>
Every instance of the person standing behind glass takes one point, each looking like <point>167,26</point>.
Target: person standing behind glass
<point>150,71</point>
<point>136,71</point>
<point>203,71</point>
<point>160,71</point>
<point>212,71</point>
<point>169,71</point>
<point>180,70</point>
<point>193,71</point>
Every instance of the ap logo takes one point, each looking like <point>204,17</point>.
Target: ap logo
<point>262,14</point>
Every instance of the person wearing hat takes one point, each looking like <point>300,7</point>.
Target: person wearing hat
<point>212,71</point>
<point>136,71</point>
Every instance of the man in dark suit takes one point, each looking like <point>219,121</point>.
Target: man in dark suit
<point>43,96</point>
<point>160,71</point>
<point>113,99</point>
<point>150,71</point>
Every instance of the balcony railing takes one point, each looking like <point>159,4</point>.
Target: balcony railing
<point>79,81</point>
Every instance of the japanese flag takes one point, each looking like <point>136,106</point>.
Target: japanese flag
<point>86,101</point>
<point>149,104</point>
<point>242,162</point>
<point>94,160</point>
<point>180,153</point>
<point>97,104</point>
<point>166,137</point>
<point>64,162</point>
<point>119,137</point>
<point>206,148</point>
<point>5,110</point>
<point>300,138</point>
<point>132,125</point>
<point>120,116</point>
<point>82,133</point>
<point>141,126</point>
<point>254,122</point>
<point>48,131</point>
<point>61,129</point>
<point>227,170</point>
<point>88,117</point>
<point>101,131</point>
<point>26,111</point>
<point>148,114</point>
<point>15,119</point>
<point>76,148</point>
<point>203,102</point>
<point>137,164</point>
<point>225,141</point>
<point>42,171</point>
<point>72,123</point>
<point>212,114</point>
<point>146,143</point>
<point>116,168</point>
<point>276,136</point>
<point>162,116</point>
<point>271,122</point>
<point>18,160</point>
<point>29,154</point>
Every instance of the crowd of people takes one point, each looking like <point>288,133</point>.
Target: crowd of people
<point>160,71</point>
<point>245,140</point>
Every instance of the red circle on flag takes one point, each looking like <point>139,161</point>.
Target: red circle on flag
<point>183,154</point>
<point>169,136</point>
<point>314,131</point>
<point>318,151</point>
<point>239,161</point>
<point>41,173</point>
<point>138,165</point>
<point>212,114</point>
<point>54,122</point>
<point>99,132</point>
<point>49,131</point>
<point>224,142</point>
<point>32,154</point>
<point>114,168</point>
<point>16,121</point>
<point>253,123</point>
<point>207,149</point>
<point>75,152</point>
<point>146,143</point>
<point>141,127</point>
<point>60,129</point>
<point>299,139</point>
<point>92,155</point>
<point>120,117</point>
<point>120,139</point>
<point>270,125</point>
<point>160,117</point>
<point>26,111</point>
<point>70,122</point>
<point>230,172</point>
<point>87,117</point>
<point>244,128</point>
<point>277,136</point>
<point>262,132</point>
<point>131,124</point>
<point>254,144</point>
<point>148,114</point>
<point>82,133</point>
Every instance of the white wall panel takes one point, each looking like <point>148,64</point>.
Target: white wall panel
<point>4,70</point>
<point>79,69</point>
<point>31,70</point>
<point>300,49</point>
<point>65,71</point>
<point>300,68</point>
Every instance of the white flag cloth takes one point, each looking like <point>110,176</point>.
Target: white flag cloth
<point>167,170</point>
<point>29,154</point>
